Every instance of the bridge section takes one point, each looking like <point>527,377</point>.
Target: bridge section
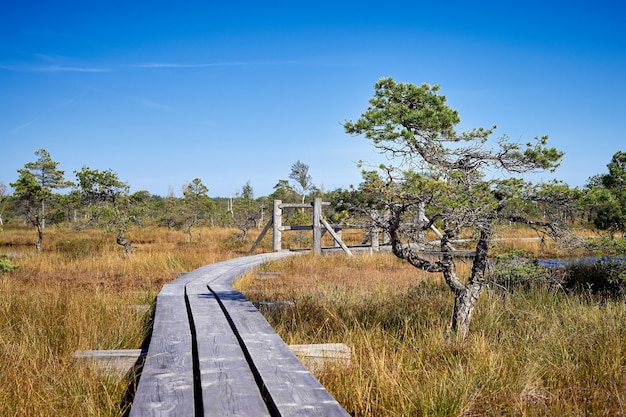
<point>212,353</point>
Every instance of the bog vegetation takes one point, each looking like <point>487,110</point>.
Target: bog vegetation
<point>537,351</point>
<point>80,293</point>
<point>540,349</point>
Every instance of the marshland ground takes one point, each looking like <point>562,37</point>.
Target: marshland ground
<point>537,350</point>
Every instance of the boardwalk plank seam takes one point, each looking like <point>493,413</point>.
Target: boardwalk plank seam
<point>213,353</point>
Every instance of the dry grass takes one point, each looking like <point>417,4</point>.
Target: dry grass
<point>41,329</point>
<point>537,353</point>
<point>78,294</point>
<point>530,354</point>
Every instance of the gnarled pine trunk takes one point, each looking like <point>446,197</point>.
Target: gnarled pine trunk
<point>121,240</point>
<point>464,303</point>
<point>466,296</point>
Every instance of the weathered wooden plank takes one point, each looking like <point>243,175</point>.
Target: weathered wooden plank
<point>272,307</point>
<point>455,253</point>
<point>316,357</point>
<point>289,386</point>
<point>335,236</point>
<point>228,271</point>
<point>227,382</point>
<point>300,205</point>
<point>235,371</point>
<point>265,275</point>
<point>111,362</point>
<point>166,384</point>
<point>295,227</point>
<point>268,225</point>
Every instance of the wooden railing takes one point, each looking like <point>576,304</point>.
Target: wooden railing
<point>212,353</point>
<point>320,226</point>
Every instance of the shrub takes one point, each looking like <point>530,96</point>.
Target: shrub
<point>78,248</point>
<point>609,247</point>
<point>517,270</point>
<point>5,263</point>
<point>605,277</point>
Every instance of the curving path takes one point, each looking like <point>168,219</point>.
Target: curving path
<point>212,353</point>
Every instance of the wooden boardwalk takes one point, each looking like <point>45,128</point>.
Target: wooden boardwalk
<point>212,353</point>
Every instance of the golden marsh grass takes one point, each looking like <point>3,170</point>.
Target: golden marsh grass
<point>537,353</point>
<point>532,353</point>
<point>81,293</point>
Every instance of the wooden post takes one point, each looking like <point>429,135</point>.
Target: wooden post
<point>260,237</point>
<point>386,238</point>
<point>338,231</point>
<point>421,220</point>
<point>277,221</point>
<point>374,238</point>
<point>317,226</point>
<point>111,362</point>
<point>374,232</point>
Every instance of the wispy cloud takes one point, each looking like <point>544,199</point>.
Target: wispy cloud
<point>59,104</point>
<point>23,126</point>
<point>156,65</point>
<point>61,68</point>
<point>74,98</point>
<point>51,68</point>
<point>21,67</point>
<point>149,103</point>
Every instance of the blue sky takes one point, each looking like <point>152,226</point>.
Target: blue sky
<point>230,92</point>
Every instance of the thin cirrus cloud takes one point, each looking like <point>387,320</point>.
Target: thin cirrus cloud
<point>53,108</point>
<point>23,125</point>
<point>63,103</point>
<point>149,103</point>
<point>157,65</point>
<point>61,68</point>
<point>51,68</point>
<point>149,65</point>
<point>146,65</point>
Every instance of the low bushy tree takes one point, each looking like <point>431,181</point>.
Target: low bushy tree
<point>606,193</point>
<point>196,204</point>
<point>34,189</point>
<point>106,200</point>
<point>301,178</point>
<point>451,174</point>
<point>245,211</point>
